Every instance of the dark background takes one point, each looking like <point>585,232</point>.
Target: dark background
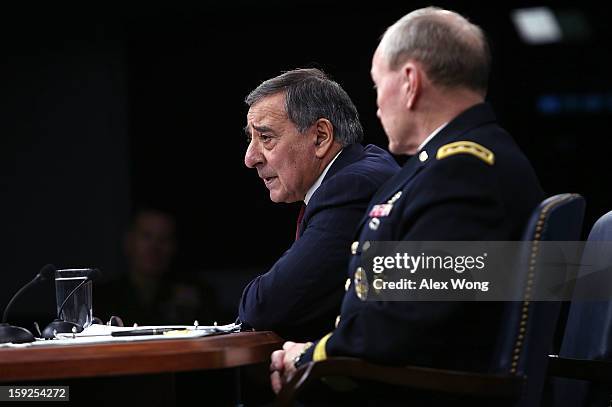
<point>108,108</point>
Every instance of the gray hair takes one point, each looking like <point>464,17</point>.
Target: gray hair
<point>309,96</point>
<point>454,52</point>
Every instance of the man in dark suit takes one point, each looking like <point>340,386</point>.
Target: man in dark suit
<point>467,180</point>
<point>304,134</point>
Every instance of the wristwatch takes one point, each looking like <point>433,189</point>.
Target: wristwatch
<point>297,361</point>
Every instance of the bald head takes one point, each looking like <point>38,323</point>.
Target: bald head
<point>452,51</point>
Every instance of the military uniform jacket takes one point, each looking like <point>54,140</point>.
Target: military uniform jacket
<point>469,182</point>
<point>300,296</point>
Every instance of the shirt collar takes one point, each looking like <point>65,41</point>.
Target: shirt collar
<point>433,133</point>
<point>317,184</point>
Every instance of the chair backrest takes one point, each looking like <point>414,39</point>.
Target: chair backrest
<point>528,327</point>
<point>588,332</point>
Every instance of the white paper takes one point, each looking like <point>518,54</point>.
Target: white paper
<point>96,333</point>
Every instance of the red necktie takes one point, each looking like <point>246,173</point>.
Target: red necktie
<point>299,221</point>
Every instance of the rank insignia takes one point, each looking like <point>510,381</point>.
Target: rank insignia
<point>466,147</point>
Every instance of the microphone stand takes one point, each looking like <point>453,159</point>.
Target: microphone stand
<point>17,334</point>
<point>12,333</point>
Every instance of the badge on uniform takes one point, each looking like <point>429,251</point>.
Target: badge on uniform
<point>374,223</point>
<point>361,283</point>
<point>381,210</point>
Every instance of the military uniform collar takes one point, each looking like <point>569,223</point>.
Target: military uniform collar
<point>432,135</point>
<point>475,116</point>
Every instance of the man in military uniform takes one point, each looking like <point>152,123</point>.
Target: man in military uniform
<point>467,180</point>
<point>304,141</point>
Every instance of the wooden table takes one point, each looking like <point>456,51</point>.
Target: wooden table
<point>129,358</point>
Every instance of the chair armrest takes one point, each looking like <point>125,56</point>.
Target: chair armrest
<point>423,378</point>
<point>582,369</point>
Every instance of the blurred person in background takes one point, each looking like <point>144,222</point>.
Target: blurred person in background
<point>152,291</point>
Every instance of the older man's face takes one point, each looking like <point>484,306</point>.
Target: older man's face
<point>284,159</point>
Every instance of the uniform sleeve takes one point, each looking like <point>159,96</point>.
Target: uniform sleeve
<point>318,351</point>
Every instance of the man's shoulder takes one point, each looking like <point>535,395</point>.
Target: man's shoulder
<point>374,164</point>
<point>485,161</point>
<point>357,180</point>
<point>490,149</point>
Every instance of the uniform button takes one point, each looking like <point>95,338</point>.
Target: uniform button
<point>354,247</point>
<point>423,156</point>
<point>374,223</point>
<point>365,246</point>
<point>347,284</point>
<point>337,321</point>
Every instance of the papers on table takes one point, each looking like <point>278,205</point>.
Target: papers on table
<point>96,333</point>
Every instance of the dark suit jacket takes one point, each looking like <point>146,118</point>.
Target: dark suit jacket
<point>460,197</point>
<point>300,296</point>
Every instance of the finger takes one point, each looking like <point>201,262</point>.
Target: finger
<point>278,356</point>
<point>276,382</point>
<point>277,360</point>
<point>288,374</point>
<point>288,363</point>
<point>288,345</point>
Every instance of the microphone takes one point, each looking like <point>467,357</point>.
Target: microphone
<point>60,326</point>
<point>16,334</point>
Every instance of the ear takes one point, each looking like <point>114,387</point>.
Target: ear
<point>412,75</point>
<point>324,137</point>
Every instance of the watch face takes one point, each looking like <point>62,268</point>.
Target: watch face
<point>297,361</point>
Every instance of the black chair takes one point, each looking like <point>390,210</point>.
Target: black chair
<point>585,360</point>
<point>526,334</point>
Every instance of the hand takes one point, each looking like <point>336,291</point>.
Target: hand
<point>282,367</point>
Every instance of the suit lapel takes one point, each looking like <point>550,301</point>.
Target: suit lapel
<point>349,155</point>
